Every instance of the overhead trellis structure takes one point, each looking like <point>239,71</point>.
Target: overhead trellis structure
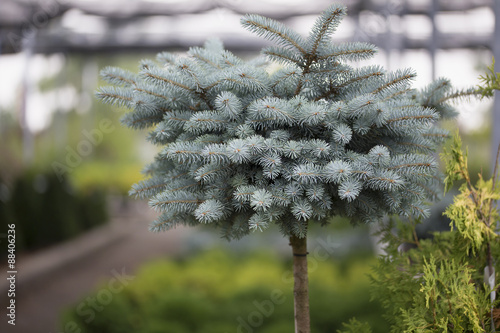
<point>19,19</point>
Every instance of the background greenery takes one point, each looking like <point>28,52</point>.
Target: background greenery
<point>46,210</point>
<point>209,291</point>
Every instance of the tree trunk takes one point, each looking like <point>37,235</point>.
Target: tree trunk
<point>300,285</point>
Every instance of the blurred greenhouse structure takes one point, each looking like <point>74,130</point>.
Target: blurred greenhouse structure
<point>67,163</point>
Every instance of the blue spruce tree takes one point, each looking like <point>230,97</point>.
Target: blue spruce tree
<point>245,147</point>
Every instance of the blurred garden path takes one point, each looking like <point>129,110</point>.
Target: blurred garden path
<point>50,280</point>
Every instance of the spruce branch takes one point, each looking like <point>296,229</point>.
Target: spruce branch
<point>397,94</point>
<point>465,93</point>
<point>152,93</point>
<point>409,118</point>
<point>205,58</point>
<point>362,75</point>
<point>168,81</point>
<point>282,55</point>
<point>273,30</point>
<point>435,89</point>
<point>162,224</point>
<point>324,27</point>
<point>117,96</point>
<point>348,51</point>
<point>118,76</point>
<point>148,188</point>
<point>398,80</point>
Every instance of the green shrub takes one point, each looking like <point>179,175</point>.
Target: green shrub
<point>220,292</point>
<point>116,177</point>
<point>447,282</point>
<point>46,210</point>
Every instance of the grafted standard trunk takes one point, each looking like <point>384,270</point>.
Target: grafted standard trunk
<point>300,285</point>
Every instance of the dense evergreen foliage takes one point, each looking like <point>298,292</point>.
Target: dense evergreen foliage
<point>245,146</point>
<point>446,283</point>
